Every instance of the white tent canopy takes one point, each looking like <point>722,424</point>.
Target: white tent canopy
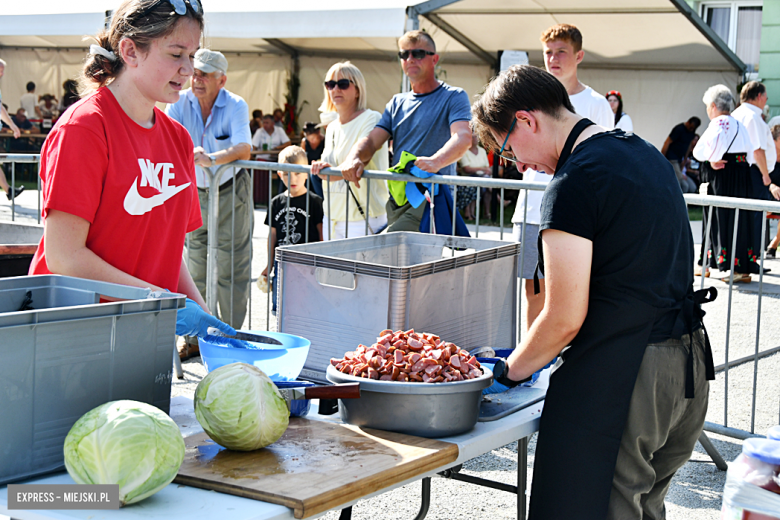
<point>636,34</point>
<point>658,53</point>
<point>236,24</point>
<point>620,33</point>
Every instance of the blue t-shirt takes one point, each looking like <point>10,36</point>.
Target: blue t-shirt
<point>420,123</point>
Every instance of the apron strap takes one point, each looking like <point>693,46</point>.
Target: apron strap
<point>694,315</point>
<point>578,128</point>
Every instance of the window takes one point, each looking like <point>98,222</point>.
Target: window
<point>739,25</point>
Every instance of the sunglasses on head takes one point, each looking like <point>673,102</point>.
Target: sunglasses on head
<point>342,84</point>
<point>417,54</point>
<point>179,7</point>
<point>510,159</point>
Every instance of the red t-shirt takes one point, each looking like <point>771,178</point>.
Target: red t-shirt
<point>135,186</point>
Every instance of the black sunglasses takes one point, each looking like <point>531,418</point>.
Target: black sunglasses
<point>342,84</point>
<point>417,54</point>
<point>179,7</point>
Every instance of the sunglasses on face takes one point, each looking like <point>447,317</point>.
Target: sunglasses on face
<point>501,151</point>
<point>179,7</point>
<point>342,84</point>
<point>417,54</point>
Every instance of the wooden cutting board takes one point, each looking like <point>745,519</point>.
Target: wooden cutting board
<point>315,466</point>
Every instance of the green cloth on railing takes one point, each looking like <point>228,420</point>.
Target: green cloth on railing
<point>397,189</point>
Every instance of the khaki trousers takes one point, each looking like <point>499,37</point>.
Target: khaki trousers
<point>232,307</point>
<point>662,429</point>
<point>403,218</point>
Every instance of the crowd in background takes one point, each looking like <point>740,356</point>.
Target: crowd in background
<point>345,120</point>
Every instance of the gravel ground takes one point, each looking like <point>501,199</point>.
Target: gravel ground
<point>696,490</point>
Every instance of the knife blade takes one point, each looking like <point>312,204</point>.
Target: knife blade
<point>245,336</point>
<point>340,391</point>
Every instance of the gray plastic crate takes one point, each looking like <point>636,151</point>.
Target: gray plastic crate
<point>70,354</point>
<point>341,293</point>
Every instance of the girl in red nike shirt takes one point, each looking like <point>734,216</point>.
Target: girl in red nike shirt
<point>118,174</point>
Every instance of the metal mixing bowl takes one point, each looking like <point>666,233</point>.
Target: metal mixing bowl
<point>422,409</point>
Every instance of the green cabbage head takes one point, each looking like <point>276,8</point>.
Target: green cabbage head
<point>240,408</point>
<point>132,444</point>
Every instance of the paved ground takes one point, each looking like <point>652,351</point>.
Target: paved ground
<point>697,488</point>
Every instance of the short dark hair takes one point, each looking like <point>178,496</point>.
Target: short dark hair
<point>751,90</point>
<point>257,113</point>
<point>30,86</point>
<point>695,121</point>
<point>310,127</point>
<point>521,87</point>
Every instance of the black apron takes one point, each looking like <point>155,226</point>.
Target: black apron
<point>587,402</point>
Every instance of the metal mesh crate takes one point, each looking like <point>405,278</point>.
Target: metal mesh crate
<point>70,354</point>
<point>341,293</point>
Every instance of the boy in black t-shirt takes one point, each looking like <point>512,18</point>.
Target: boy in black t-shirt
<point>288,215</point>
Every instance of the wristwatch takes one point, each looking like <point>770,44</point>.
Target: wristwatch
<point>500,371</point>
<point>213,160</point>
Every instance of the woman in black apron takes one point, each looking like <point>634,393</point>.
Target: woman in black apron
<point>627,403</point>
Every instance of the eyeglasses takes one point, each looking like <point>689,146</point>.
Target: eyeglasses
<point>417,54</point>
<point>613,93</point>
<point>179,7</point>
<point>511,127</point>
<point>342,84</point>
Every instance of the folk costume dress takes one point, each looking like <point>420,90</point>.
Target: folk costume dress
<point>726,139</point>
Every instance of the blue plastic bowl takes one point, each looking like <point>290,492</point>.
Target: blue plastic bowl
<point>298,407</point>
<point>279,362</point>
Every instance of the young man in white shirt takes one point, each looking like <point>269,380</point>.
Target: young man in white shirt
<point>562,49</point>
<point>753,98</point>
<point>269,136</point>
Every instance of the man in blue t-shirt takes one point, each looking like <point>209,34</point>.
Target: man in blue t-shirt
<point>430,122</point>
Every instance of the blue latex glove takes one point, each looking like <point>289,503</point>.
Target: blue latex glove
<point>192,320</point>
<point>496,387</point>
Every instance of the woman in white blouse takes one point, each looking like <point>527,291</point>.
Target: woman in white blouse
<point>622,120</point>
<point>726,154</point>
<point>345,94</point>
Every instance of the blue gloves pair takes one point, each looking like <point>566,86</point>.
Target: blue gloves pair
<point>192,320</point>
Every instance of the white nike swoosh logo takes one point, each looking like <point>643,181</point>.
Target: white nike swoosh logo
<point>135,204</point>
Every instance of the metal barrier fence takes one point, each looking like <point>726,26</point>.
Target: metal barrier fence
<point>707,202</point>
<point>739,206</point>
